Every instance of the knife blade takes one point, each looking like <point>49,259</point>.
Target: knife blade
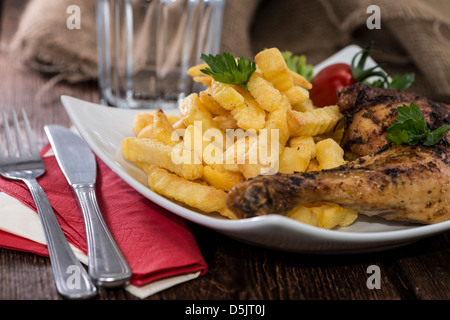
<point>106,264</point>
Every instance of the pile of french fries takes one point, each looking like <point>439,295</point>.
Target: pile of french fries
<point>215,142</point>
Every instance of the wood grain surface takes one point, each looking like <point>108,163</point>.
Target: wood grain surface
<point>419,270</point>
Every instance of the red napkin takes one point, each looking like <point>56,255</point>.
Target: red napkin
<point>155,242</point>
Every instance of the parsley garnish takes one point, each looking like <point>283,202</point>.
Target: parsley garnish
<point>411,128</point>
<point>223,68</point>
<point>402,82</point>
<point>298,64</point>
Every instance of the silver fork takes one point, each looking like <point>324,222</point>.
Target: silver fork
<point>72,280</point>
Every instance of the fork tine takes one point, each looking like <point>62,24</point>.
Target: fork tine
<point>20,146</point>
<point>9,143</point>
<point>31,142</point>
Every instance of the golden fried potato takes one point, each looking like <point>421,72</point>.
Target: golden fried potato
<point>313,166</point>
<point>301,81</point>
<point>162,128</point>
<point>179,125</point>
<point>192,110</point>
<point>294,160</point>
<point>196,70</point>
<point>306,144</point>
<point>297,157</point>
<point>157,153</point>
<point>296,95</point>
<point>324,215</point>
<point>203,197</point>
<point>211,104</point>
<point>143,124</point>
<point>278,122</point>
<point>226,122</point>
<point>147,132</point>
<point>306,105</point>
<point>274,68</point>
<point>141,120</point>
<point>263,153</point>
<point>314,122</point>
<point>329,154</point>
<point>247,112</point>
<point>265,94</point>
<point>198,76</point>
<point>221,179</point>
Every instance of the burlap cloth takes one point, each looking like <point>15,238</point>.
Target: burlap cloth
<point>414,36</point>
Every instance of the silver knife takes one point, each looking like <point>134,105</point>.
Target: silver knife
<point>106,264</point>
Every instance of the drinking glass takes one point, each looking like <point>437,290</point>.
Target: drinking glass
<point>145,48</point>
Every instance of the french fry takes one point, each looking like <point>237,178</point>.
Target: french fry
<point>278,121</point>
<point>226,122</point>
<point>246,112</point>
<point>306,144</point>
<point>306,105</point>
<point>157,153</point>
<point>221,179</point>
<point>314,122</point>
<point>274,68</point>
<point>267,96</point>
<point>329,154</point>
<point>211,104</point>
<point>141,120</point>
<point>297,157</point>
<point>147,132</point>
<point>337,133</point>
<point>324,215</point>
<point>172,118</point>
<point>294,160</point>
<point>198,76</point>
<point>143,124</point>
<point>301,81</point>
<point>162,128</point>
<point>313,166</point>
<point>192,110</point>
<point>179,125</point>
<point>203,197</point>
<point>296,95</point>
<point>196,70</point>
<point>267,148</point>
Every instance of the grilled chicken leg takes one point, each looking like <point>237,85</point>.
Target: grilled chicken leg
<point>403,183</point>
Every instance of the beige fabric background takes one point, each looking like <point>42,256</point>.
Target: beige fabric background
<point>414,35</point>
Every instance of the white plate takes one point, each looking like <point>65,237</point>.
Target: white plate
<point>104,128</point>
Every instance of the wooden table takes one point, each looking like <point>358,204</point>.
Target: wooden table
<point>237,271</point>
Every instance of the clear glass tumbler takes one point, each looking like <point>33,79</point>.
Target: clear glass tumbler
<point>145,48</point>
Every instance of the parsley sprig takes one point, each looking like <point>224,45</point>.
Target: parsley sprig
<point>223,68</point>
<point>411,128</point>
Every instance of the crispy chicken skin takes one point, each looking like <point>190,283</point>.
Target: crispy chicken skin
<point>369,112</point>
<point>402,183</point>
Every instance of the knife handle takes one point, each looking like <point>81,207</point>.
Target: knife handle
<point>71,279</point>
<point>106,266</point>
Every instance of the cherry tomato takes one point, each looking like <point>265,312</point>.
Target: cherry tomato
<point>328,82</point>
